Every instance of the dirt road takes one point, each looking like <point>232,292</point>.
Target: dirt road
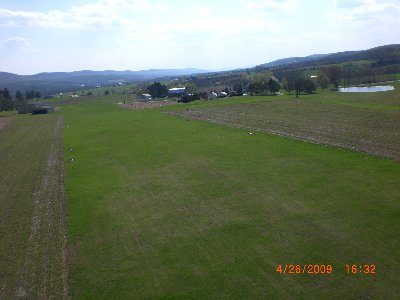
<point>147,104</point>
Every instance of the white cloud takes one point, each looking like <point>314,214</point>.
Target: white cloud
<point>368,19</point>
<point>100,13</point>
<point>154,33</point>
<point>131,4</point>
<point>17,44</point>
<point>269,4</point>
<point>345,3</point>
<point>362,9</point>
<point>362,24</point>
<point>197,32</point>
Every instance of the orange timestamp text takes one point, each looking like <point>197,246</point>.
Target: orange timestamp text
<point>307,269</point>
<point>367,269</point>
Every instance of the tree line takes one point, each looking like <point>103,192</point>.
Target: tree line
<point>7,102</point>
<point>295,81</point>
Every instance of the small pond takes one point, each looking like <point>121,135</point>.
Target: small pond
<point>366,89</point>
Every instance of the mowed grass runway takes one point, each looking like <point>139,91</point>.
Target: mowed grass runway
<point>162,207</point>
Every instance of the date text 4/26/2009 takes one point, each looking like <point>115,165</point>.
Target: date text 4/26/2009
<point>324,269</point>
<point>310,269</point>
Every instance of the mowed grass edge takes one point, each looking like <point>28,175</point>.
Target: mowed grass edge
<point>32,221</point>
<point>164,207</point>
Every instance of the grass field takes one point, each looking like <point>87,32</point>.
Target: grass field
<point>362,122</point>
<point>32,219</point>
<point>162,207</point>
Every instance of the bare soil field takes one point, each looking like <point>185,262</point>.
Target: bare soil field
<point>147,104</point>
<point>346,125</point>
<point>33,251</point>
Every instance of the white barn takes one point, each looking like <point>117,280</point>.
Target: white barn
<point>177,92</point>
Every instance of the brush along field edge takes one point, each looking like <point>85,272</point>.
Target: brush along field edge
<point>33,238</point>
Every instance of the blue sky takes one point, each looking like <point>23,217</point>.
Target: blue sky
<point>48,36</point>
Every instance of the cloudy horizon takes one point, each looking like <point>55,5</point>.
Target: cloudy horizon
<point>65,36</point>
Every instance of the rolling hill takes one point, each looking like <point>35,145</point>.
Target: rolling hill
<point>56,82</point>
<point>383,55</point>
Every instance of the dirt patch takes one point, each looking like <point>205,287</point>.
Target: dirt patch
<point>372,131</point>
<point>147,104</point>
<point>4,122</point>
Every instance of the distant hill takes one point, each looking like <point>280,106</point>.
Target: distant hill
<point>383,55</point>
<point>293,60</point>
<point>56,82</point>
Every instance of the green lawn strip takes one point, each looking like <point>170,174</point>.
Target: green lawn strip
<point>27,270</point>
<point>162,207</point>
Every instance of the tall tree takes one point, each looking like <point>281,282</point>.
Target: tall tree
<point>191,88</point>
<point>298,86</point>
<point>20,99</point>
<point>31,94</point>
<point>309,86</point>
<point>334,73</point>
<point>6,94</point>
<point>157,90</point>
<point>273,86</point>
<point>323,80</point>
<point>261,82</point>
<point>6,102</point>
<point>290,77</point>
<point>294,81</point>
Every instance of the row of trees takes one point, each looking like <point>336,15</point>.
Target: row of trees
<point>159,90</point>
<point>7,102</point>
<point>364,73</point>
<point>265,86</point>
<point>294,80</point>
<point>266,82</point>
<point>351,74</point>
<point>261,84</point>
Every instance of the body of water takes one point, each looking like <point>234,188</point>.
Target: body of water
<point>366,89</point>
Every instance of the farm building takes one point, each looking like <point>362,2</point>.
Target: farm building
<point>49,107</point>
<point>176,92</point>
<point>212,96</point>
<point>222,95</point>
<point>145,97</point>
<point>26,109</point>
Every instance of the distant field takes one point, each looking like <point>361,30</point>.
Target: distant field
<point>32,211</point>
<point>362,122</point>
<point>162,207</point>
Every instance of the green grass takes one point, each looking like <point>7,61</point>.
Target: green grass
<point>4,114</point>
<point>161,207</point>
<point>31,209</point>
